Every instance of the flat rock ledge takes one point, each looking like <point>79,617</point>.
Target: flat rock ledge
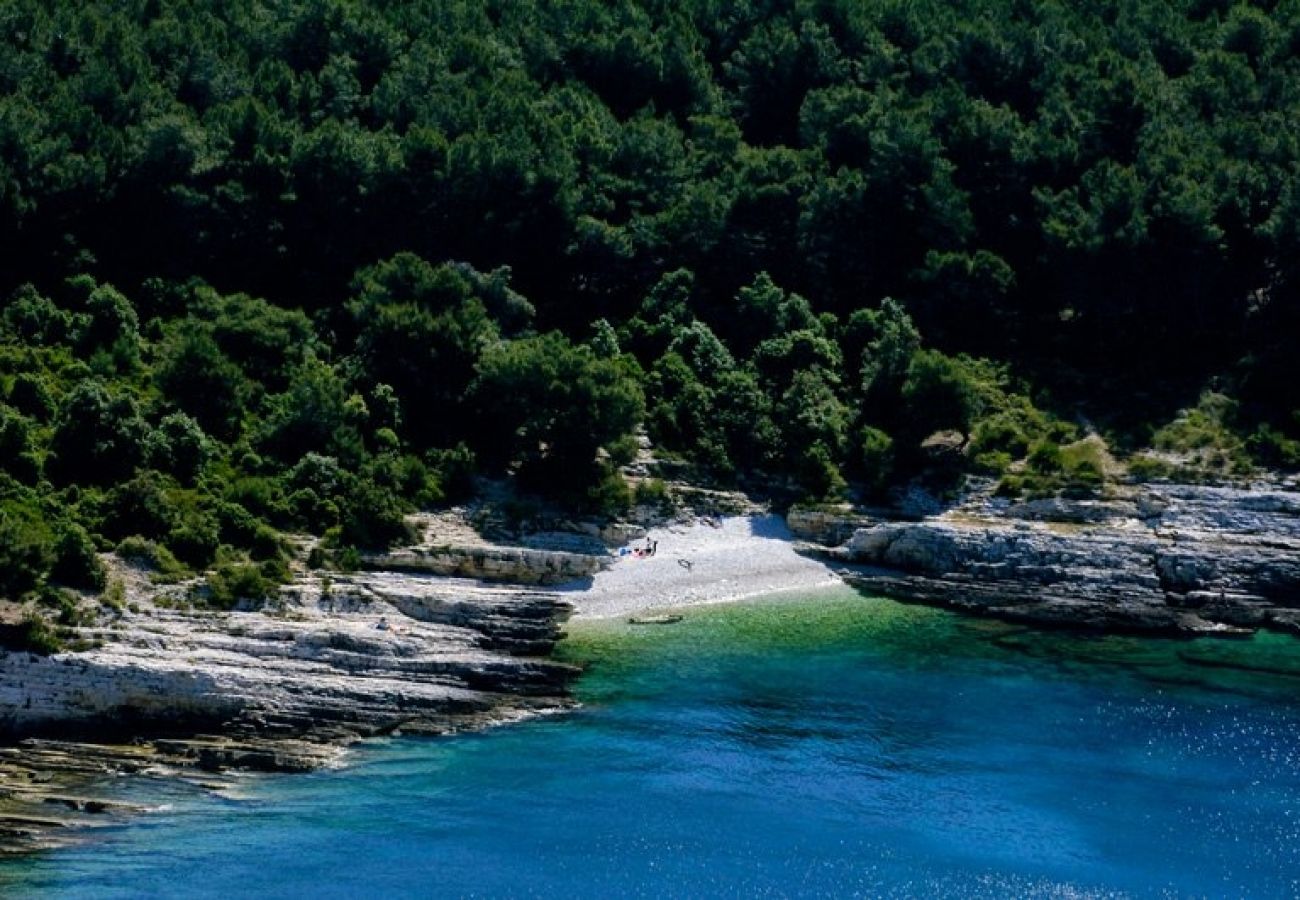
<point>516,565</point>
<point>1169,559</point>
<point>197,693</point>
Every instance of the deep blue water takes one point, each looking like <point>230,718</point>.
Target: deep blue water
<point>827,746</point>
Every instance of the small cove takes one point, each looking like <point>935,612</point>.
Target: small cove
<point>822,744</point>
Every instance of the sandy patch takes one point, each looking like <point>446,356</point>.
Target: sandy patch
<point>742,556</point>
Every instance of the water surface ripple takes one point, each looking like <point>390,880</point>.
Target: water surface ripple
<point>831,745</point>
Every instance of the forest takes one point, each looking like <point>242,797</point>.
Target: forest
<point>302,266</point>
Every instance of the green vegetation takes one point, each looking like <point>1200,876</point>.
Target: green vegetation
<point>314,264</point>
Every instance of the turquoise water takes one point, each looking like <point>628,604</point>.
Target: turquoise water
<point>822,746</point>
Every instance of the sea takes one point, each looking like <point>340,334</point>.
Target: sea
<point>798,745</point>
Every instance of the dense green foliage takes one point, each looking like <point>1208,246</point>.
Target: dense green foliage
<point>500,236</point>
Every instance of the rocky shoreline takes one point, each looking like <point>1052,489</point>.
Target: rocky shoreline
<point>195,693</point>
<point>456,633</point>
<point>1162,559</point>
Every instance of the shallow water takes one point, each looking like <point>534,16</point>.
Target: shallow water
<point>815,746</point>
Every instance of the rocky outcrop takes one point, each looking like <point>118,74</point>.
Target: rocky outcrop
<point>1175,558</point>
<point>278,689</point>
<point>514,565</point>
<point>373,653</point>
<point>829,526</point>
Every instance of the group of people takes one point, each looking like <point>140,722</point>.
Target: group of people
<point>650,549</point>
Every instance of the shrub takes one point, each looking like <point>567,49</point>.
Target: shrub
<point>98,437</point>
<point>232,583</point>
<point>993,462</point>
<point>1045,458</point>
<point>195,540</point>
<point>818,475</point>
<point>624,450</point>
<point>75,563</point>
<point>877,458</point>
<point>1000,434</point>
<point>312,512</point>
<point>144,552</point>
<point>266,543</point>
<point>236,524</point>
<point>939,393</point>
<point>26,549</point>
<point>373,516</point>
<point>1085,461</point>
<point>1145,467</point>
<point>610,495</point>
<point>70,611</point>
<point>34,635</point>
<point>406,475</point>
<point>1203,437</point>
<point>140,506</point>
<point>347,559</point>
<point>114,597</point>
<point>259,495</point>
<point>1010,486</point>
<point>652,492</point>
<point>1272,448</point>
<point>178,446</point>
<point>456,469</point>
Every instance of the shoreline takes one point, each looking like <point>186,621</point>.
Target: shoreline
<point>711,560</point>
<point>456,632</point>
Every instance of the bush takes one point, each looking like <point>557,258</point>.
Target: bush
<point>26,550</point>
<point>1000,434</point>
<point>140,506</point>
<point>373,517</point>
<point>407,476</point>
<point>1045,458</point>
<point>70,611</point>
<point>33,635</point>
<point>114,597</point>
<point>237,525</point>
<point>1010,486</point>
<point>818,475</point>
<point>30,395</point>
<point>1203,437</point>
<point>261,496</point>
<point>877,457</point>
<point>652,492</point>
<point>1145,467</point>
<point>1085,460</point>
<point>1271,447</point>
<point>144,552</point>
<point>195,540</point>
<point>75,562</point>
<point>456,469</point>
<point>610,495</point>
<point>266,543</point>
<point>992,462</point>
<point>939,394</point>
<point>311,512</point>
<point>178,446</point>
<point>233,583</point>
<point>98,437</point>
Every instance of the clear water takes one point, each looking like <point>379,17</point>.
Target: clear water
<point>822,746</point>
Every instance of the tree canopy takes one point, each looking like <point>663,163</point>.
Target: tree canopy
<point>307,264</point>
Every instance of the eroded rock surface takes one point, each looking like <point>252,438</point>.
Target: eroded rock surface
<point>1172,558</point>
<point>279,689</point>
